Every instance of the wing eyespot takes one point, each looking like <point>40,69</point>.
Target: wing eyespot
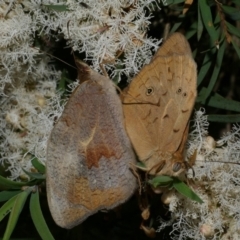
<point>179,91</point>
<point>184,94</point>
<point>149,91</point>
<point>177,166</point>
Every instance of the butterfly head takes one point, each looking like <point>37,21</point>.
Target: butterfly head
<point>167,164</point>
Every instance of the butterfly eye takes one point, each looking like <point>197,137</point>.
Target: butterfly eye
<point>149,91</point>
<point>179,91</point>
<point>177,166</point>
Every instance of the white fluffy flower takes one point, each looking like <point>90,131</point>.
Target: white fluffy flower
<point>26,120</point>
<point>216,181</point>
<point>104,30</point>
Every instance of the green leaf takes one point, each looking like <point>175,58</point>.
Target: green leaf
<point>194,53</point>
<point>64,80</point>
<point>16,210</point>
<point>57,8</point>
<point>7,207</point>
<point>217,23</point>
<point>207,21</point>
<point>12,184</point>
<point>237,2</point>
<point>175,27</point>
<point>169,2</point>
<point>199,24</point>
<point>38,165</point>
<point>224,118</point>
<point>5,195</point>
<point>220,102</point>
<point>141,165</point>
<point>233,30</point>
<point>232,12</point>
<point>34,175</point>
<point>183,189</point>
<point>216,70</point>
<point>178,24</point>
<point>207,62</point>
<point>160,181</point>
<point>192,30</point>
<point>236,48</point>
<point>37,217</point>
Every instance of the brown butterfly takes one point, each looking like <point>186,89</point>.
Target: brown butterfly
<point>157,106</point>
<point>88,153</point>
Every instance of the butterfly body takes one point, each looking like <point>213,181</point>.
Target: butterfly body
<point>89,155</point>
<point>157,106</point>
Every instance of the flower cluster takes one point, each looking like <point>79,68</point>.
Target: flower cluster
<point>216,181</point>
<point>105,30</point>
<point>26,119</point>
<point>109,32</point>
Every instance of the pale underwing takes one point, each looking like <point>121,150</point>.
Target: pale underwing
<point>89,156</point>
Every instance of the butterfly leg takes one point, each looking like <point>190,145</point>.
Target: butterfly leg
<point>157,168</point>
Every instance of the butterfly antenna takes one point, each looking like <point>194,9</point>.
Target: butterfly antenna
<point>49,54</point>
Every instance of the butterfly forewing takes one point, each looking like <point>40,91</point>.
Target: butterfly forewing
<point>175,44</point>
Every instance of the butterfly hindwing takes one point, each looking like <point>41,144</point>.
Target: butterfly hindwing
<point>89,155</point>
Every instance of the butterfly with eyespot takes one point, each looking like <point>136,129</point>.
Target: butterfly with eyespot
<point>157,106</point>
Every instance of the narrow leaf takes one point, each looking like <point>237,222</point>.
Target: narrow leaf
<point>199,24</point>
<point>65,78</point>
<point>194,53</point>
<point>5,195</point>
<point>34,175</point>
<point>237,2</point>
<point>178,24</point>
<point>224,118</point>
<point>16,210</point>
<point>38,165</point>
<point>7,207</point>
<point>233,30</point>
<point>12,184</point>
<point>215,72</point>
<point>232,12</point>
<point>236,48</point>
<point>207,62</point>
<point>183,189</point>
<point>220,102</point>
<point>176,1</point>
<point>141,165</point>
<point>207,21</point>
<point>217,23</point>
<point>175,27</point>
<point>160,181</point>
<point>192,30</point>
<point>37,217</point>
